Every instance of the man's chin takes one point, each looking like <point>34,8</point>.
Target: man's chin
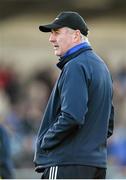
<point>57,54</point>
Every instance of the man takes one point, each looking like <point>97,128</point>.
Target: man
<point>71,141</point>
<point>6,167</point>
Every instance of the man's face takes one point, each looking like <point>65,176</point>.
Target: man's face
<point>62,39</point>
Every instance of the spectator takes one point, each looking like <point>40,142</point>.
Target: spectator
<point>6,167</point>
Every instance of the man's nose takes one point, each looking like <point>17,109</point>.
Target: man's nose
<point>52,38</point>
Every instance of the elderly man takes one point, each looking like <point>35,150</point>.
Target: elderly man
<point>78,119</point>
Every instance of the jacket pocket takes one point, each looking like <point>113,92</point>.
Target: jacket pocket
<point>43,134</point>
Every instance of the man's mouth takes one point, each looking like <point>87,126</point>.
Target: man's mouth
<point>55,47</point>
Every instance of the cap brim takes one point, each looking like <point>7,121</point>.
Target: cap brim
<point>49,27</point>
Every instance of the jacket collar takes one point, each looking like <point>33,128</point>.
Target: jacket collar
<point>64,60</point>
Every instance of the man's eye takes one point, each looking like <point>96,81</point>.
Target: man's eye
<point>56,31</point>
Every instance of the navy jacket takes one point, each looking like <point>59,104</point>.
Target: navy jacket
<point>79,114</point>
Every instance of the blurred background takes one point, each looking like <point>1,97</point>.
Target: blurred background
<point>28,72</point>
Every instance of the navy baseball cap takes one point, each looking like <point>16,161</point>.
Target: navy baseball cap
<point>67,19</point>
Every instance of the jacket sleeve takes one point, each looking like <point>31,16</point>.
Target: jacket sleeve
<point>74,98</point>
<point>111,122</point>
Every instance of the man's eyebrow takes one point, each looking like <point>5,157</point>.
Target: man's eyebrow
<point>55,29</point>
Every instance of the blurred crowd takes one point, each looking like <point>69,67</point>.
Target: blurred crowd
<point>117,143</point>
<point>22,103</point>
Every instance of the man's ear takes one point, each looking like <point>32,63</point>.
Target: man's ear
<point>77,35</point>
